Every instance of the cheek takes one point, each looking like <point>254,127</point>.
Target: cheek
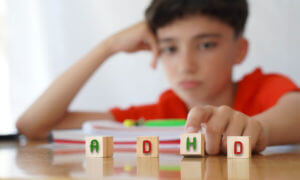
<point>218,67</point>
<point>170,69</point>
<point>229,54</point>
<point>222,59</point>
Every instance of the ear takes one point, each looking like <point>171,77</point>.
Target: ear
<point>242,50</point>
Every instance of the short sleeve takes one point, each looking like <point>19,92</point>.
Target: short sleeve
<point>273,87</point>
<point>168,106</point>
<point>258,91</point>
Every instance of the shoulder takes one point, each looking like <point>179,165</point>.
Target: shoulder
<point>274,86</point>
<point>275,83</point>
<point>262,82</point>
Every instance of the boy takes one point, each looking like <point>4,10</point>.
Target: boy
<point>198,42</point>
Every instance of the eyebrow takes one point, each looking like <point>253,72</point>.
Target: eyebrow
<point>207,35</point>
<point>198,36</point>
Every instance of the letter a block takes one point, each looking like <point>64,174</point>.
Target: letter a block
<point>238,147</point>
<point>192,144</point>
<point>147,146</point>
<point>99,146</point>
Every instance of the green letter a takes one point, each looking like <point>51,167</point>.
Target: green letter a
<point>94,145</point>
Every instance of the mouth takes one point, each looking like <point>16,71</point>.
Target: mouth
<point>187,84</point>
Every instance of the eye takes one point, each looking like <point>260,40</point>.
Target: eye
<point>168,50</point>
<point>207,45</point>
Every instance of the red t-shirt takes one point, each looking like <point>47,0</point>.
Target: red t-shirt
<point>256,92</point>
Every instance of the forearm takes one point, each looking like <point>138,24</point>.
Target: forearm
<point>52,105</point>
<point>282,122</point>
<point>74,120</point>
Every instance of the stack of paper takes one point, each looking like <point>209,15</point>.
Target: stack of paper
<point>124,137</point>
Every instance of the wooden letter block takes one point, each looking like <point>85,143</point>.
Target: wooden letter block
<point>147,146</point>
<point>238,147</point>
<point>99,146</point>
<point>192,144</point>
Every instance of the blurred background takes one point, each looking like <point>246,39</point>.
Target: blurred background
<point>40,39</point>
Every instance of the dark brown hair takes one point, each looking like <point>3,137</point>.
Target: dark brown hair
<point>232,12</point>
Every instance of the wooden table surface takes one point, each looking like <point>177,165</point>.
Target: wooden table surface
<point>33,160</point>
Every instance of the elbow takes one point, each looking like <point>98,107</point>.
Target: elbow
<point>31,133</point>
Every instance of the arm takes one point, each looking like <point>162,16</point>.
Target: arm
<point>50,110</point>
<point>51,107</point>
<point>282,122</point>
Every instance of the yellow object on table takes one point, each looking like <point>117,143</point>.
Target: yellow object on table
<point>129,122</point>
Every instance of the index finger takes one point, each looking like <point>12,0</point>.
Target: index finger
<point>197,116</point>
<point>154,47</point>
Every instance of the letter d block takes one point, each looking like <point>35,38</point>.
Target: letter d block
<point>192,144</point>
<point>99,146</point>
<point>238,147</point>
<point>147,146</point>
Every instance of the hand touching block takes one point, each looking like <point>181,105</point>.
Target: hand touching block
<point>192,144</point>
<point>147,146</point>
<point>99,146</point>
<point>238,147</point>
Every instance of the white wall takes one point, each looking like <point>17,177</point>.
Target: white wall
<point>46,37</point>
<point>273,30</point>
<point>5,108</point>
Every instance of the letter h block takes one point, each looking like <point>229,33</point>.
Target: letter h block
<point>238,147</point>
<point>192,144</point>
<point>147,146</point>
<point>99,146</point>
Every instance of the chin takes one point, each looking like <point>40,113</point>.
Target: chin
<point>191,96</point>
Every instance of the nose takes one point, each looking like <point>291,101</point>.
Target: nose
<point>188,62</point>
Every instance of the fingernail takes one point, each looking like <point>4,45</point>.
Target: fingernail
<point>190,129</point>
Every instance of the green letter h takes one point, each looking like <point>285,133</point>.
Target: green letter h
<point>188,143</point>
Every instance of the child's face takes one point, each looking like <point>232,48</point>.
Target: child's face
<point>198,54</point>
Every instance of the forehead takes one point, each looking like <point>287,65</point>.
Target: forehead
<point>191,26</point>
